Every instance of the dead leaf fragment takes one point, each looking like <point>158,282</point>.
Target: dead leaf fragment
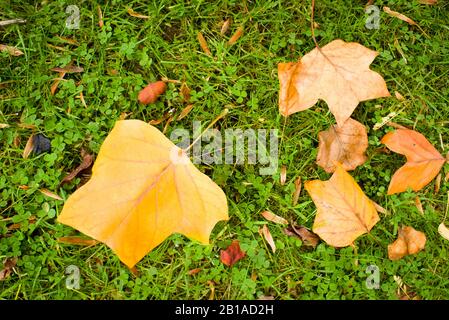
<point>68,69</point>
<point>431,2</point>
<point>298,186</point>
<point>55,84</point>
<point>185,92</point>
<point>151,92</point>
<point>185,112</point>
<point>265,232</point>
<point>79,241</point>
<point>399,96</point>
<point>232,254</point>
<point>132,13</point>
<point>344,212</point>
<point>100,17</point>
<point>12,51</point>
<point>283,175</point>
<point>437,183</point>
<point>398,15</point>
<point>344,144</point>
<point>86,163</point>
<point>28,147</point>
<point>225,27</point>
<point>443,231</point>
<point>423,164</point>
<point>273,218</point>
<point>203,44</point>
<point>194,271</point>
<point>305,235</point>
<point>409,241</point>
<point>50,194</point>
<point>8,266</point>
<point>418,205</point>
<point>143,189</point>
<point>237,34</point>
<point>338,73</point>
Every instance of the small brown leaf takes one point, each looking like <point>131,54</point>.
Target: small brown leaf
<point>185,111</point>
<point>203,44</point>
<point>345,144</point>
<point>418,205</point>
<point>194,271</point>
<point>28,147</point>
<point>268,237</point>
<point>212,289</point>
<point>225,27</point>
<point>185,92</point>
<point>68,69</point>
<point>55,84</point>
<point>399,16</point>
<point>437,183</point>
<point>132,13</point>
<point>273,218</point>
<point>283,176</point>
<point>8,266</point>
<point>232,254</point>
<point>431,2</point>
<point>100,17</point>
<point>409,241</point>
<point>79,241</point>
<point>298,187</point>
<point>399,96</point>
<point>151,92</point>
<point>13,51</point>
<point>86,163</point>
<point>307,237</point>
<point>236,36</point>
<point>50,194</point>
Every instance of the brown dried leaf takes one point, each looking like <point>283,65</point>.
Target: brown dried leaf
<point>399,16</point>
<point>409,241</point>
<point>28,147</point>
<point>283,176</point>
<point>431,2</point>
<point>194,271</point>
<point>132,13</point>
<point>273,218</point>
<point>225,27</point>
<point>418,205</point>
<point>68,69</point>
<point>235,36</point>
<point>86,163</point>
<point>185,92</point>
<point>79,241</point>
<point>55,84</point>
<point>185,111</point>
<point>232,254</point>
<point>100,17</point>
<point>203,44</point>
<point>298,187</point>
<point>399,96</point>
<point>344,144</point>
<point>305,235</point>
<point>437,183</point>
<point>13,51</point>
<point>8,266</point>
<point>50,194</point>
<point>268,237</point>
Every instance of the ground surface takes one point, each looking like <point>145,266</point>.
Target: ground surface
<point>127,53</point>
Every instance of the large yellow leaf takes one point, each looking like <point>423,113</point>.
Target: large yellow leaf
<point>423,160</point>
<point>344,212</point>
<point>143,189</point>
<point>338,73</point>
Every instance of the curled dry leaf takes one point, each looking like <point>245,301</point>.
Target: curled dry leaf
<point>423,164</point>
<point>338,73</point>
<point>86,163</point>
<point>265,232</point>
<point>345,144</point>
<point>185,112</point>
<point>431,2</point>
<point>418,205</point>
<point>185,92</point>
<point>55,84</point>
<point>194,271</point>
<point>443,231</point>
<point>232,254</point>
<point>409,241</point>
<point>298,186</point>
<point>344,212</point>
<point>203,44</point>
<point>237,34</point>
<point>273,218</point>
<point>283,176</point>
<point>8,266</point>
<point>153,190</point>
<point>68,69</point>
<point>28,147</point>
<point>151,92</point>
<point>307,237</point>
<point>79,241</point>
<point>12,51</point>
<point>100,17</point>
<point>437,183</point>
<point>134,14</point>
<point>398,15</point>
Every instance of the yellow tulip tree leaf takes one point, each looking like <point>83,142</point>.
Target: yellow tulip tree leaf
<point>143,189</point>
<point>337,73</point>
<point>424,162</point>
<point>344,212</point>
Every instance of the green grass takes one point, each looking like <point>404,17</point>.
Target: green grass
<point>243,78</point>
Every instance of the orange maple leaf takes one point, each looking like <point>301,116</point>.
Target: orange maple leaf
<point>409,241</point>
<point>344,212</point>
<point>338,73</point>
<point>423,160</point>
<point>143,189</point>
